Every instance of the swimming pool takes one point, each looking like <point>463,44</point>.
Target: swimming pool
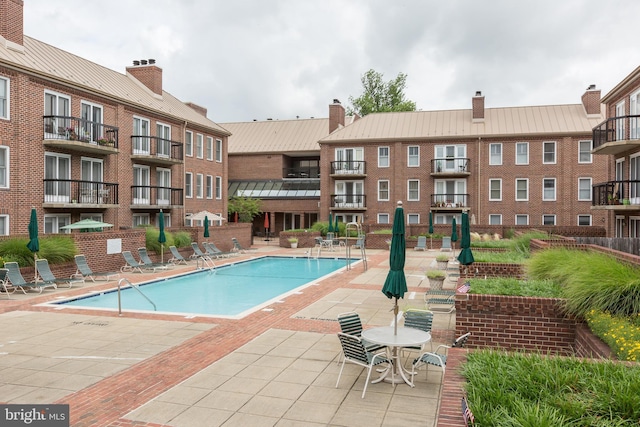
<point>232,290</point>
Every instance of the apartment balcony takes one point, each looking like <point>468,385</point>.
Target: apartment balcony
<point>73,133</point>
<point>349,169</point>
<point>301,173</point>
<point>150,197</point>
<point>76,194</point>
<point>621,195</point>
<point>617,135</point>
<point>348,202</point>
<point>156,150</point>
<point>449,202</point>
<point>451,167</point>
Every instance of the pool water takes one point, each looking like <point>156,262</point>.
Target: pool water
<point>230,290</point>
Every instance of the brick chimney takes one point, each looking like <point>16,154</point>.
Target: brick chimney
<point>336,115</point>
<point>477,103</point>
<point>200,110</point>
<point>591,100</point>
<point>12,22</point>
<point>147,73</point>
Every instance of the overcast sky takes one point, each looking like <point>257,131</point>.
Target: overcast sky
<point>258,59</point>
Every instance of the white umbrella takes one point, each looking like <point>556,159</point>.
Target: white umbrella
<point>210,216</point>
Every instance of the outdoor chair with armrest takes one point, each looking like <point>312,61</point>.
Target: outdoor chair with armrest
<point>176,257</point>
<point>147,262</point>
<point>418,319</point>
<point>351,324</point>
<point>5,287</point>
<point>355,352</point>
<point>84,271</point>
<point>238,247</point>
<point>438,357</point>
<point>47,276</point>
<point>213,251</point>
<point>16,279</point>
<point>132,265</point>
<point>441,301</point>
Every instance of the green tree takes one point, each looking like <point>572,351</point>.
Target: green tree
<point>380,96</point>
<point>246,207</point>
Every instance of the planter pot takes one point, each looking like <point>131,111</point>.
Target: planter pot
<point>294,245</point>
<point>442,265</point>
<point>435,284</point>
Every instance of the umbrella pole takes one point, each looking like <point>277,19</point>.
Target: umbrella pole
<point>395,317</point>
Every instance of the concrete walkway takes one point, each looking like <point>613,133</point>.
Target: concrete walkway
<point>275,367</point>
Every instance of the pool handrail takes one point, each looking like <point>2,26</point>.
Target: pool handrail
<point>137,289</point>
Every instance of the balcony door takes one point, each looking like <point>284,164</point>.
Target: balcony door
<point>349,194</point>
<point>620,136</point>
<point>91,122</point>
<point>57,167</point>
<point>349,159</point>
<point>58,106</point>
<point>634,179</point>
<point>163,132</point>
<point>163,177</point>
<point>634,110</point>
<point>451,191</point>
<point>141,182</point>
<point>449,154</point>
<point>91,188</point>
<point>141,134</point>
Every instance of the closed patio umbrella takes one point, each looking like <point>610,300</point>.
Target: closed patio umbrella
<point>396,283</point>
<point>162,238</point>
<point>34,243</point>
<point>454,235</point>
<point>330,229</point>
<point>205,223</point>
<point>336,227</point>
<point>430,230</point>
<point>266,225</point>
<point>465,256</point>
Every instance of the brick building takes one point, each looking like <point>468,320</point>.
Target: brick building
<point>78,140</point>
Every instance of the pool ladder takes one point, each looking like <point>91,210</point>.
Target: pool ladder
<point>210,266</point>
<point>356,227</point>
<point>137,289</point>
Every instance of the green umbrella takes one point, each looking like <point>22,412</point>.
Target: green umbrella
<point>161,236</point>
<point>34,243</point>
<point>336,228</point>
<point>85,224</point>
<point>206,226</point>
<point>396,283</point>
<point>430,230</point>
<point>454,234</point>
<point>465,256</point>
<point>330,229</point>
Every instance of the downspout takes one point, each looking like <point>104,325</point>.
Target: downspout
<point>478,179</point>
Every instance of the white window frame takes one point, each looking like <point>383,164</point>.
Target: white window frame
<point>634,226</point>
<point>140,219</point>
<point>413,218</point>
<point>497,217</point>
<point>588,188</point>
<point>383,218</point>
<point>526,181</point>
<point>218,150</point>
<point>209,148</point>
<point>55,221</point>
<point>163,143</point>
<point>143,144</point>
<point>199,186</point>
<point>545,144</point>
<point>448,157</point>
<point>380,190</point>
<point>188,143</point>
<point>383,160</point>
<point>209,187</point>
<point>142,192</point>
<point>495,159</point>
<point>519,159</point>
<point>545,216</point>
<point>218,188</point>
<point>634,110</point>
<point>581,152</point>
<point>58,192</point>
<point>6,101</point>
<point>549,198</point>
<point>167,219</point>
<point>584,216</point>
<point>5,166</point>
<point>57,122</point>
<point>4,225</point>
<point>413,160</point>
<point>620,123</point>
<point>491,189</point>
<point>93,136</point>
<point>199,146</point>
<point>525,216</point>
<point>188,185</point>
<point>409,190</point>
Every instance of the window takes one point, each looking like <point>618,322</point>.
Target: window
<point>495,154</point>
<point>634,111</point>
<point>634,226</point>
<point>584,220</point>
<point>141,219</point>
<point>349,160</point>
<point>91,173</point>
<point>209,187</point>
<point>4,225</point>
<point>349,194</point>
<point>522,153</point>
<point>450,191</point>
<point>188,144</point>
<point>548,220</point>
<point>495,219</point>
<point>413,218</point>
<point>209,148</point>
<point>620,133</point>
<point>413,190</point>
<point>450,158</point>
<point>188,185</point>
<point>140,138</point>
<point>57,172</point>
<point>167,219</point>
<point>163,147</point>
<point>584,151</point>
<point>413,159</point>
<point>383,157</point>
<point>4,98</point>
<point>549,152</point>
<point>522,189</point>
<point>383,190</point>
<point>584,189</point>
<point>199,186</point>
<point>163,181</point>
<point>549,189</point>
<point>4,167</point>
<point>52,223</point>
<point>56,107</point>
<point>218,187</point>
<point>383,218</point>
<point>199,148</point>
<point>218,150</point>
<point>91,127</point>
<point>495,190</point>
<point>141,185</point>
<point>522,219</point>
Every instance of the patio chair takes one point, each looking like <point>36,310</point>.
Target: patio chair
<point>238,248</point>
<point>197,253</point>
<point>422,244</point>
<point>355,352</point>
<point>5,286</point>
<point>147,262</point>
<point>418,319</point>
<point>47,276</point>
<point>132,265</point>
<point>16,279</point>
<point>324,243</point>
<point>176,257</point>
<point>351,324</point>
<point>213,251</point>
<point>441,301</point>
<point>84,271</point>
<point>438,359</point>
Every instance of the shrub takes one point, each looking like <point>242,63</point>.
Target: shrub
<point>152,243</point>
<point>515,287</point>
<point>442,258</point>
<point>55,249</point>
<point>436,274</point>
<point>182,239</point>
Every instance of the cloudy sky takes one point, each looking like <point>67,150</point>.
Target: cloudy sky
<point>258,59</point>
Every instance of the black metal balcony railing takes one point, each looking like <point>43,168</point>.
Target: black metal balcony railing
<point>616,193</point>
<point>614,129</point>
<point>83,192</point>
<point>451,165</point>
<point>453,200</point>
<point>77,129</point>
<point>145,195</point>
<point>349,167</point>
<point>156,147</point>
<point>301,172</point>
<point>348,201</point>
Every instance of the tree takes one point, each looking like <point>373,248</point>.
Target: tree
<point>381,97</point>
<point>246,207</point>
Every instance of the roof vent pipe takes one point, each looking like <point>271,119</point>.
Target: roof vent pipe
<point>136,62</point>
<point>152,61</point>
<point>143,61</point>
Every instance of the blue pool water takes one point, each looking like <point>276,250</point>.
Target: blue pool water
<point>229,290</point>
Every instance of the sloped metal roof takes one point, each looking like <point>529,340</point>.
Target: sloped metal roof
<point>498,122</point>
<point>274,189</point>
<point>56,64</point>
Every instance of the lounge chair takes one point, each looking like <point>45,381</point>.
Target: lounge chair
<point>5,286</point>
<point>355,352</point>
<point>422,244</point>
<point>438,359</point>
<point>132,265</point>
<point>147,262</point>
<point>16,279</point>
<point>84,271</point>
<point>47,276</point>
<point>238,248</point>
<point>213,251</point>
<point>197,253</point>
<point>176,257</point>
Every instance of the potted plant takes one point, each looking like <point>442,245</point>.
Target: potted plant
<point>443,261</point>
<point>436,278</point>
<point>293,241</point>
